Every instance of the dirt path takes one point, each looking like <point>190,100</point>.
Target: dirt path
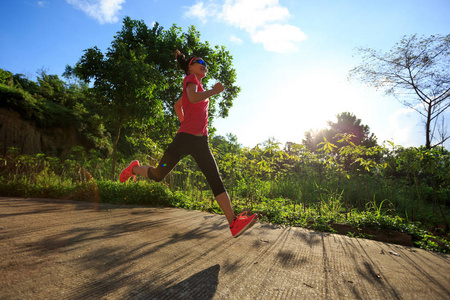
<point>56,249</point>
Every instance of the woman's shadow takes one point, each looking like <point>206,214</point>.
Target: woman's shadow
<point>202,285</point>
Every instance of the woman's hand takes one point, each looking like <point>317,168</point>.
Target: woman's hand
<point>218,88</point>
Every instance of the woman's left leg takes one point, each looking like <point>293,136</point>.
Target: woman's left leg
<point>225,204</point>
<point>207,164</point>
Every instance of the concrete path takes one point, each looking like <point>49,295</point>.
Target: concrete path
<point>59,249</point>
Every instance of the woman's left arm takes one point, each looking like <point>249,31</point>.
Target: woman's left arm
<point>195,96</point>
<point>179,109</point>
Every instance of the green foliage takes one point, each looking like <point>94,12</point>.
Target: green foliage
<point>348,126</point>
<point>21,101</point>
<point>6,77</point>
<point>140,193</point>
<point>42,189</point>
<point>46,177</point>
<point>53,103</point>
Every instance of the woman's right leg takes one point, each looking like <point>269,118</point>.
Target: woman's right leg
<point>170,159</point>
<point>142,170</point>
<point>167,163</point>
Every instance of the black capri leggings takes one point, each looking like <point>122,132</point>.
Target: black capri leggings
<point>198,147</point>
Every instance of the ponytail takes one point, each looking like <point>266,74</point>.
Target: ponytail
<point>182,61</point>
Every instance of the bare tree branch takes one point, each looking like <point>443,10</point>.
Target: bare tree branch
<point>415,71</point>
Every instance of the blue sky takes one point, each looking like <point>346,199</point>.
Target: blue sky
<point>292,57</point>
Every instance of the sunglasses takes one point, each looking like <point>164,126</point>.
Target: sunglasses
<point>200,61</point>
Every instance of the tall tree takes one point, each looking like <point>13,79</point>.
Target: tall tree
<point>137,80</point>
<point>416,72</point>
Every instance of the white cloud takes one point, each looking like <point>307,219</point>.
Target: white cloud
<point>264,20</point>
<point>404,127</point>
<point>279,38</point>
<point>42,3</point>
<point>251,14</point>
<point>104,11</point>
<point>198,11</point>
<point>236,40</point>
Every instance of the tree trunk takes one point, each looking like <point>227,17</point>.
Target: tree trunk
<point>116,140</point>
<point>427,127</point>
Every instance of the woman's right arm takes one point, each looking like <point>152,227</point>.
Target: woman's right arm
<point>196,96</point>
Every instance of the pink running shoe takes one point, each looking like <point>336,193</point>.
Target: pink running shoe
<point>128,171</point>
<point>241,223</point>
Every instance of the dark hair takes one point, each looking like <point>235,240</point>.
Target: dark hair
<point>182,61</point>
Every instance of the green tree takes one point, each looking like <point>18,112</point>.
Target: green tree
<point>416,72</point>
<point>51,87</point>
<point>227,144</point>
<point>26,84</point>
<point>346,124</point>
<point>52,102</point>
<point>312,139</point>
<point>345,141</point>
<point>137,81</point>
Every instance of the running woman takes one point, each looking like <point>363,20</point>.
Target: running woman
<point>192,139</point>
